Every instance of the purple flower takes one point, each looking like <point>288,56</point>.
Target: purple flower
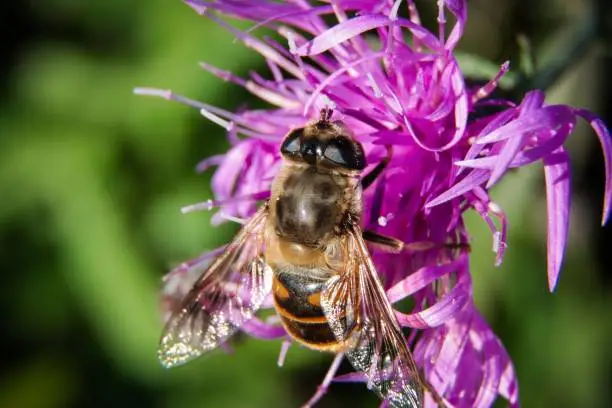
<point>411,96</point>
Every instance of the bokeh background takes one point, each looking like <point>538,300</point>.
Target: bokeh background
<point>92,178</point>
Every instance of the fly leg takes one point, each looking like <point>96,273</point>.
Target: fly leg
<point>384,242</point>
<point>369,178</point>
<point>322,389</point>
<point>395,245</point>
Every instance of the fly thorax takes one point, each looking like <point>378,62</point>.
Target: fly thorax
<point>309,207</point>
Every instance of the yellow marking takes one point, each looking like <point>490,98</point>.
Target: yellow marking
<point>315,299</point>
<point>280,291</point>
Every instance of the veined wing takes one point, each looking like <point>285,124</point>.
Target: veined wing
<point>359,313</point>
<point>226,295</point>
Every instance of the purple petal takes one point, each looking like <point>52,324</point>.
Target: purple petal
<point>450,355</point>
<point>327,81</point>
<point>459,9</point>
<point>497,121</point>
<point>460,105</point>
<point>508,384</point>
<point>469,182</point>
<point>437,314</point>
<point>547,146</point>
<point>420,279</point>
<point>356,26</point>
<point>256,328</point>
<point>226,177</point>
<point>524,157</point>
<point>490,383</point>
<point>209,162</point>
<point>466,362</point>
<point>532,100</point>
<point>606,145</point>
<point>443,309</point>
<point>486,163</point>
<point>351,377</point>
<point>504,158</point>
<point>541,119</point>
<point>557,174</point>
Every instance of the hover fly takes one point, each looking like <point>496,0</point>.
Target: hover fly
<point>305,246</point>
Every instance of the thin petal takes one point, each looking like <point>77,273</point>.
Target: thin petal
<point>557,174</point>
<point>450,355</point>
<point>523,157</point>
<point>533,100</point>
<point>209,162</point>
<point>606,145</point>
<point>351,377</point>
<point>256,328</point>
<point>420,279</point>
<point>442,310</point>
<point>466,362</point>
<point>459,9</point>
<point>469,182</point>
<point>542,119</point>
<point>356,26</point>
<point>486,163</point>
<point>504,158</point>
<point>497,121</point>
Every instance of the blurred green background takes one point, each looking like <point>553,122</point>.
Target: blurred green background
<point>92,179</point>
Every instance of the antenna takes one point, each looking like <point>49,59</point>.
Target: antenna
<point>326,114</point>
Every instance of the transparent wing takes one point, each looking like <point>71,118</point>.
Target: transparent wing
<point>226,295</point>
<point>359,312</point>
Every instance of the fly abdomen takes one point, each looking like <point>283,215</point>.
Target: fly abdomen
<point>298,301</point>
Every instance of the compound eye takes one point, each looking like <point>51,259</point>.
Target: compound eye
<point>336,152</point>
<point>292,143</point>
<point>345,153</point>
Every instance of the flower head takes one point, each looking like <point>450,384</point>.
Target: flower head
<point>399,87</point>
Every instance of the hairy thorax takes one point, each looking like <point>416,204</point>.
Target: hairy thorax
<point>308,208</point>
<point>309,204</point>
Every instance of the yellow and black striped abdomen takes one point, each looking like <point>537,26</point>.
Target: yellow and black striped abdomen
<point>298,301</point>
